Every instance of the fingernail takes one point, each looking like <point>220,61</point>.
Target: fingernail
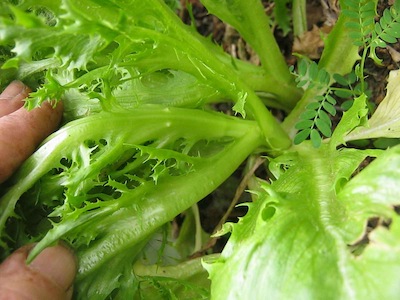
<point>14,89</point>
<point>57,264</point>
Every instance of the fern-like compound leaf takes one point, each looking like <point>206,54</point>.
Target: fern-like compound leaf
<point>309,75</point>
<point>361,24</point>
<point>386,31</point>
<point>368,33</point>
<point>315,121</point>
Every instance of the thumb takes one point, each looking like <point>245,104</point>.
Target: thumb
<point>49,276</point>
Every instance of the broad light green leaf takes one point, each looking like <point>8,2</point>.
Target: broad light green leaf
<point>372,192</point>
<point>294,241</point>
<point>385,122</point>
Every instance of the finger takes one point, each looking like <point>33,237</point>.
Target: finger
<point>12,97</point>
<point>21,132</point>
<point>49,276</point>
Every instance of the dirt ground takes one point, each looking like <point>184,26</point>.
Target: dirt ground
<point>321,16</point>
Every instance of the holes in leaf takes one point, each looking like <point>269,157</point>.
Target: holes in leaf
<point>103,193</point>
<point>103,142</point>
<point>363,165</point>
<point>42,53</point>
<point>116,194</point>
<point>268,212</point>
<point>66,162</point>
<point>132,183</point>
<point>55,171</point>
<point>47,15</point>
<point>90,143</point>
<point>373,223</point>
<point>95,146</point>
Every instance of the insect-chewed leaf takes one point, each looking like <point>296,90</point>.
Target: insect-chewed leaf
<point>304,124</point>
<point>323,127</point>
<point>315,138</point>
<point>264,247</point>
<point>301,136</point>
<point>329,108</point>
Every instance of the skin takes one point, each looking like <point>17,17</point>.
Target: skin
<point>51,274</point>
<point>21,131</point>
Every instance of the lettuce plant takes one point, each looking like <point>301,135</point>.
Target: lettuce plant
<point>142,143</point>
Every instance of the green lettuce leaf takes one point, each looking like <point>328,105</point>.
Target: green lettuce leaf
<point>302,237</point>
<point>108,189</point>
<point>96,46</point>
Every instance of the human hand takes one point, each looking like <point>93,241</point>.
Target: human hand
<point>50,275</point>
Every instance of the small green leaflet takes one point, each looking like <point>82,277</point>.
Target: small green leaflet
<point>314,121</point>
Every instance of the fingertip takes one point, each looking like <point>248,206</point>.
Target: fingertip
<point>15,88</point>
<point>53,110</point>
<point>21,132</point>
<point>12,97</point>
<point>49,276</point>
<point>58,264</point>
